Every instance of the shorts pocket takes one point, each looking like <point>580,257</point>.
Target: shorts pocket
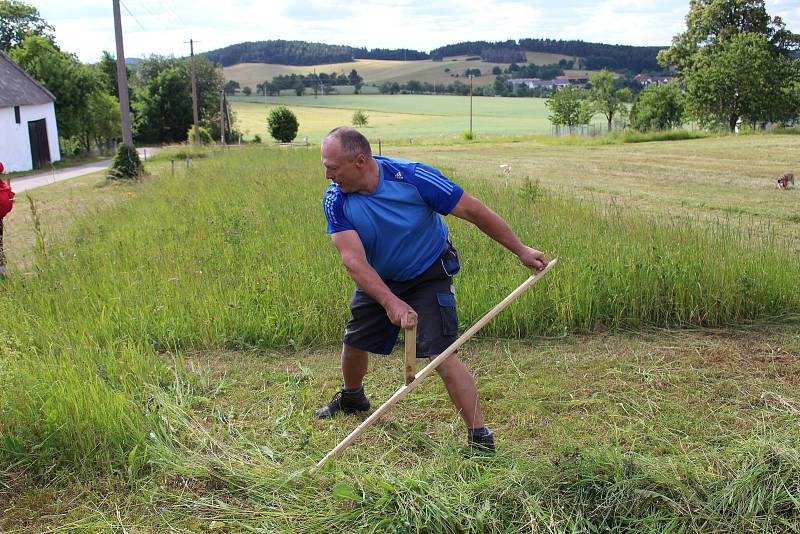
<point>447,308</point>
<point>450,262</point>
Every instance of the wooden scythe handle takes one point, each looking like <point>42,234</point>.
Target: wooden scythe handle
<point>428,369</point>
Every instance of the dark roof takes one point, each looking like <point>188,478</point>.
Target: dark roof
<point>18,88</point>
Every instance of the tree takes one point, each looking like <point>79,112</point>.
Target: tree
<point>712,22</point>
<point>164,108</point>
<point>247,91</point>
<point>360,119</point>
<point>500,86</point>
<point>282,124</point>
<point>163,98</point>
<point>569,107</point>
<point>18,21</point>
<point>101,122</point>
<point>414,86</point>
<point>299,88</point>
<point>70,81</point>
<point>737,63</point>
<point>231,86</point>
<point>605,99</point>
<point>496,70</point>
<point>658,107</point>
<point>742,78</point>
<point>107,67</point>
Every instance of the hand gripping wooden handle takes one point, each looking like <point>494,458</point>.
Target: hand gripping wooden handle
<point>428,369</point>
<point>411,349</point>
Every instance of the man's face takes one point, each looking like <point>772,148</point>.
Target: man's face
<point>342,171</point>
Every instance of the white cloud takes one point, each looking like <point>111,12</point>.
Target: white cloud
<point>162,26</point>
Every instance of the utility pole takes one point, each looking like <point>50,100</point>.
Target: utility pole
<point>194,96</point>
<point>470,106</point>
<point>222,116</point>
<point>122,81</point>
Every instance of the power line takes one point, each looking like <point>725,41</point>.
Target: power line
<point>132,16</point>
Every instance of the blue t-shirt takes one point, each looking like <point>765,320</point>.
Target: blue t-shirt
<point>398,223</point>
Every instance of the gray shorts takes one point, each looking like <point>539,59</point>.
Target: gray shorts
<point>432,296</point>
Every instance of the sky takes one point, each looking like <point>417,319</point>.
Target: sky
<point>164,27</point>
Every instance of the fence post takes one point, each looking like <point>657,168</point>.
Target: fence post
<point>172,163</point>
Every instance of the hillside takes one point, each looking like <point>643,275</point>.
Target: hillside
<point>378,71</point>
<point>593,55</point>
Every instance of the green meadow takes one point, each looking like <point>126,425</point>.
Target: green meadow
<point>164,348</point>
<point>401,118</point>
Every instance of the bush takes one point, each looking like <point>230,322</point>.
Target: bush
<point>469,136</point>
<point>282,124</point>
<point>360,119</point>
<point>127,165</point>
<point>256,138</point>
<point>205,136</point>
<point>658,107</point>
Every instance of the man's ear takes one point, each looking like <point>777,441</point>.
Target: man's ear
<point>360,159</point>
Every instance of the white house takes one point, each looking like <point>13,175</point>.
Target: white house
<point>28,133</point>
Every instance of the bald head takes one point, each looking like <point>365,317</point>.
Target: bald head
<point>351,142</point>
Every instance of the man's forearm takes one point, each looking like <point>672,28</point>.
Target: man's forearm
<point>368,280</point>
<point>498,229</point>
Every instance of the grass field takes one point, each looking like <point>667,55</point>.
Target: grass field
<point>423,118</point>
<point>160,365</point>
<point>379,71</point>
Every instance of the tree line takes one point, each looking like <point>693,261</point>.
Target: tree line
<point>593,56</point>
<point>87,98</point>
<point>736,66</point>
<point>303,53</point>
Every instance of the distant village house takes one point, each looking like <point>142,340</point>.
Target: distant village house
<point>645,80</point>
<point>28,132</point>
<point>558,82</point>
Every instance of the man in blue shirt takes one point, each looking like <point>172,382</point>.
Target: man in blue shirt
<point>384,219</point>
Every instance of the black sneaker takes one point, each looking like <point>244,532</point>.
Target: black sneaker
<point>483,445</point>
<point>349,402</point>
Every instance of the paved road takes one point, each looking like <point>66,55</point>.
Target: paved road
<point>31,181</point>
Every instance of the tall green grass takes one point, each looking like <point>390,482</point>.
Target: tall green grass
<point>232,252</point>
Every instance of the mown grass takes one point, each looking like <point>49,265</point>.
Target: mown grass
<point>655,432</point>
<point>100,374</point>
<point>727,180</point>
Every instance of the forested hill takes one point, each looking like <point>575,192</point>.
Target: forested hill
<point>594,55</point>
<point>303,53</point>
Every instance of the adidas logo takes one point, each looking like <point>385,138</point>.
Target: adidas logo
<point>398,176</point>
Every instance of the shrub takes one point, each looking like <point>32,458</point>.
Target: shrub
<point>658,107</point>
<point>282,124</point>
<point>127,165</point>
<point>205,136</point>
<point>256,138</point>
<point>360,119</point>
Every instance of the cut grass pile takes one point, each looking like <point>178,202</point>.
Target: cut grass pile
<point>101,375</point>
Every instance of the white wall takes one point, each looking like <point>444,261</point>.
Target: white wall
<point>15,148</point>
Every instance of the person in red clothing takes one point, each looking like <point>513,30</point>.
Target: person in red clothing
<point>6,203</point>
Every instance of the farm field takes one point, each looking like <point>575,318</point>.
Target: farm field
<point>160,365</point>
<point>378,71</point>
<point>424,118</point>
<point>718,179</point>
